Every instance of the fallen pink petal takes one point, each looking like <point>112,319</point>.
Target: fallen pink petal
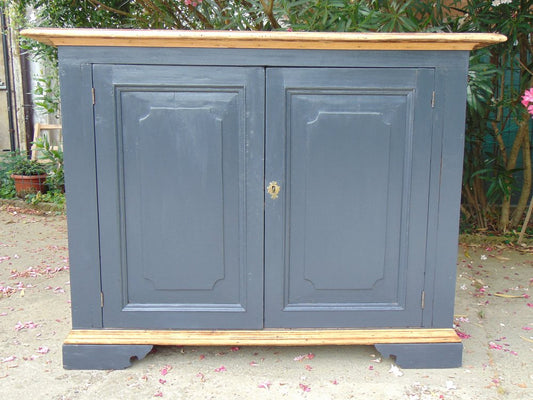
<point>264,385</point>
<point>308,356</point>
<point>462,335</point>
<point>235,348</point>
<point>158,394</point>
<point>305,388</point>
<point>43,350</point>
<point>9,359</point>
<point>165,370</point>
<point>221,369</point>
<point>495,346</point>
<point>162,381</point>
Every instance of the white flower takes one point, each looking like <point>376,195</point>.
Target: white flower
<point>496,3</point>
<point>450,385</point>
<point>395,370</point>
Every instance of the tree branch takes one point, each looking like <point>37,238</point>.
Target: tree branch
<point>268,9</point>
<point>98,3</point>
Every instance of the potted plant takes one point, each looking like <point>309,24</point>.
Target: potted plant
<point>29,175</point>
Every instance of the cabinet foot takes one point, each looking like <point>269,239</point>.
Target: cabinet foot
<point>102,356</point>
<point>424,355</point>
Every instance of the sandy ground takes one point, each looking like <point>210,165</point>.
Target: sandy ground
<point>493,312</point>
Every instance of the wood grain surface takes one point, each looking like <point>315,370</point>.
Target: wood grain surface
<point>271,337</point>
<point>263,40</point>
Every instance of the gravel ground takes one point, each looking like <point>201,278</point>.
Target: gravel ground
<point>493,312</point>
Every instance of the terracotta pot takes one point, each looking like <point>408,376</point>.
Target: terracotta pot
<point>29,184</point>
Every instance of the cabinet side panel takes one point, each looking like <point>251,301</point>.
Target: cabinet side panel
<point>450,107</point>
<point>80,185</point>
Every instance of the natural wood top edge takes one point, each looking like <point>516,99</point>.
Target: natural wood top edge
<point>262,39</point>
<point>271,337</point>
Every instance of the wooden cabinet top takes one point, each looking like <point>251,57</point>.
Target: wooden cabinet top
<point>263,40</point>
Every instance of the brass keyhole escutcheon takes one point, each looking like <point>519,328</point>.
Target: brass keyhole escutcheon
<point>273,189</point>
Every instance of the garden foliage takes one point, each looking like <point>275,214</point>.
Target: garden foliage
<point>497,169</point>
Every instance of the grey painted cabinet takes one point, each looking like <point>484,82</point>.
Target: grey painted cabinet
<point>234,187</point>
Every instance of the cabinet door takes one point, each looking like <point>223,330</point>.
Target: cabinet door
<point>345,238</point>
<point>180,183</point>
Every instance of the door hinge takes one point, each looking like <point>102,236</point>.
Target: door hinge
<point>102,299</point>
<point>433,100</point>
<point>93,96</point>
<point>423,299</point>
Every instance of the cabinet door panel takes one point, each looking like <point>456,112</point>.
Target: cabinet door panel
<point>345,239</point>
<point>180,165</point>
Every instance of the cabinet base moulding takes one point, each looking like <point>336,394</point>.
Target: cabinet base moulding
<point>267,337</point>
<point>116,349</point>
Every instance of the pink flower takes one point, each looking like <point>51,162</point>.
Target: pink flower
<point>527,100</point>
<point>527,97</point>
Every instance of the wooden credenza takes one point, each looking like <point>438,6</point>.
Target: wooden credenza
<point>262,189</point>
